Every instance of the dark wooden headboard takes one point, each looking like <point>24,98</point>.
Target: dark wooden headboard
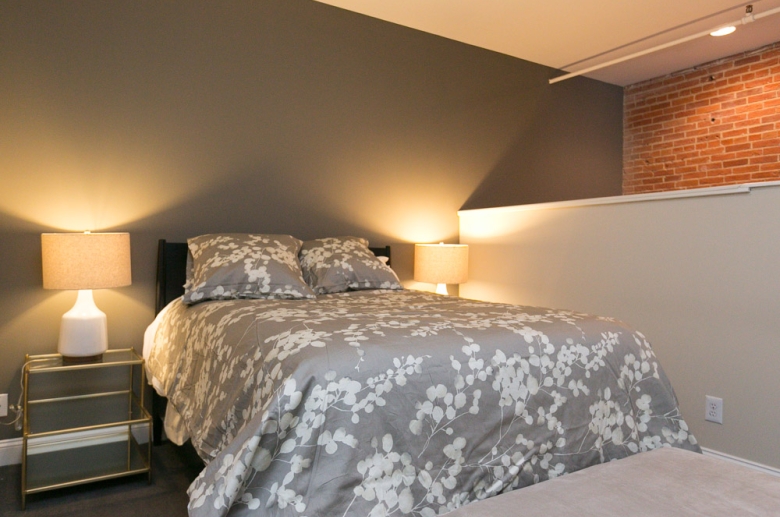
<point>172,270</point>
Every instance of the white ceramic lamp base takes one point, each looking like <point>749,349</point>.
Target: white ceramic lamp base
<point>84,331</point>
<point>442,289</point>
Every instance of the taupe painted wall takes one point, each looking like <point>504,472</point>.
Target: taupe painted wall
<point>697,276</point>
<point>172,119</point>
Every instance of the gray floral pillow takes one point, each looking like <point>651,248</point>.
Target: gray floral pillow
<point>339,264</point>
<point>226,266</point>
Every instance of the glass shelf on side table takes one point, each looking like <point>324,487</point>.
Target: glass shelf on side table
<point>89,426</point>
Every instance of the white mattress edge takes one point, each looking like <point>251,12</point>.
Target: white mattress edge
<point>149,344</point>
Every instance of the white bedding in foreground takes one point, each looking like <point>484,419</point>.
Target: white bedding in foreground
<point>660,483</point>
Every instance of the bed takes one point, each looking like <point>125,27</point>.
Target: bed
<point>375,400</point>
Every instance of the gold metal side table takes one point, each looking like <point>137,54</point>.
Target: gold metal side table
<point>84,422</point>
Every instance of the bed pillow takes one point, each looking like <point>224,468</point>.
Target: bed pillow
<point>228,266</point>
<point>338,264</point>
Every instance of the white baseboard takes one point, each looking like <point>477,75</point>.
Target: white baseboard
<point>741,461</point>
<point>11,450</point>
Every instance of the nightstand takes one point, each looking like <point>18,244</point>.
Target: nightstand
<point>83,422</point>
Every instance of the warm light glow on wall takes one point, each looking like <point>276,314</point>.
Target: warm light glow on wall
<point>409,197</point>
<point>404,216</point>
<point>497,237</point>
<point>495,222</point>
<point>51,180</point>
<point>74,200</point>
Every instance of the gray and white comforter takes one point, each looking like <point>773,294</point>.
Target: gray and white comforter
<point>399,402</point>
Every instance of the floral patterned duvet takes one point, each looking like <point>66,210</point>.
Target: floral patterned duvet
<point>374,403</point>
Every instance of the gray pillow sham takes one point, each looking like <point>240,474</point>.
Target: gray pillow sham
<point>338,264</point>
<point>239,265</point>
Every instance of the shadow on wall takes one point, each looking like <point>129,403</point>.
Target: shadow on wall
<point>569,149</point>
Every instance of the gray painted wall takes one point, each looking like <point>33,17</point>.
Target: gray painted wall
<point>697,276</point>
<point>172,119</point>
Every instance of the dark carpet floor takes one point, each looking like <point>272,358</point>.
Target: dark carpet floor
<point>173,469</point>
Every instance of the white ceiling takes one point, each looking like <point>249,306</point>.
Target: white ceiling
<point>575,34</point>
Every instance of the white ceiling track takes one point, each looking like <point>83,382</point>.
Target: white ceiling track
<point>748,18</point>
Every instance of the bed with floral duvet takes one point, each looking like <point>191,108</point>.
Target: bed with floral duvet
<point>383,401</point>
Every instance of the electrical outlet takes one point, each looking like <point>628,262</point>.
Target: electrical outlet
<point>3,404</point>
<point>713,412</point>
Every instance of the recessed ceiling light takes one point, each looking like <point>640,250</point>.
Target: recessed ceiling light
<point>723,31</point>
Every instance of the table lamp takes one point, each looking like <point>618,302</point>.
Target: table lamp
<point>441,264</point>
<point>85,261</point>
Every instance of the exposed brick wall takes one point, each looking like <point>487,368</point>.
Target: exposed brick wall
<point>714,124</point>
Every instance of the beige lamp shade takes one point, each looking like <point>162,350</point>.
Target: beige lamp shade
<point>441,263</point>
<point>85,260</point>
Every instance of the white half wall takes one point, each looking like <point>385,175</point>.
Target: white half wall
<point>699,276</point>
